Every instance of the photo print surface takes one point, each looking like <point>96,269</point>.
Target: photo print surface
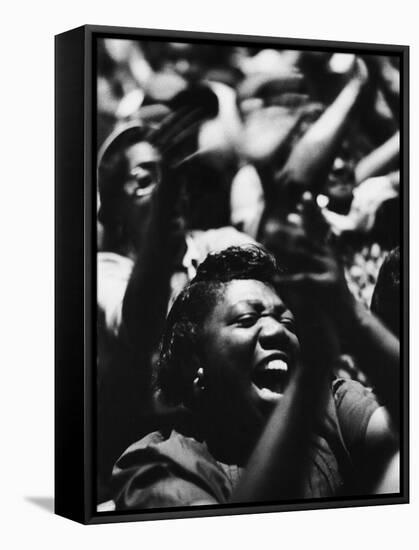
<point>248,275</point>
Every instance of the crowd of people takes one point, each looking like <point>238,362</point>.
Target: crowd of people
<point>248,274</point>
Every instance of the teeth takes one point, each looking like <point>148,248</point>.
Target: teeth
<point>271,377</point>
<point>277,364</point>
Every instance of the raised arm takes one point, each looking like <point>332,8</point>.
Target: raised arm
<point>146,298</point>
<point>316,269</point>
<point>377,350</point>
<point>388,78</point>
<point>379,161</point>
<point>147,294</point>
<point>311,158</point>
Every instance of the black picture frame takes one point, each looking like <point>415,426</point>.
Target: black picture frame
<point>75,272</point>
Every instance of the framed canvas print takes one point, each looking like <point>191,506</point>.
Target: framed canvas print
<point>231,274</point>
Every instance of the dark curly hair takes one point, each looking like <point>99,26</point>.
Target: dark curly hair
<point>182,339</point>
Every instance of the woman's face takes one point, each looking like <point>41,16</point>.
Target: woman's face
<point>142,177</point>
<point>143,170</point>
<point>249,346</point>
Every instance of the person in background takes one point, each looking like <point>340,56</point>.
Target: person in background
<point>139,200</point>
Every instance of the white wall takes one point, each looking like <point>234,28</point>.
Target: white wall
<point>26,219</point>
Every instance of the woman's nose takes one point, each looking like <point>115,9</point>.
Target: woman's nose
<point>272,332</point>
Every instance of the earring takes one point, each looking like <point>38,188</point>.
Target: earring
<point>199,379</point>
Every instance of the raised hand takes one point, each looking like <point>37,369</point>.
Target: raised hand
<point>312,273</point>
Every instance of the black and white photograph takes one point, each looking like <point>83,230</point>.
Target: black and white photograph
<point>209,305</point>
<point>249,275</point>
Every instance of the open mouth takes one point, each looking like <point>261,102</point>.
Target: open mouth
<point>272,376</point>
<point>146,190</point>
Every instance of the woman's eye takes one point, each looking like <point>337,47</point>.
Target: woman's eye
<point>288,323</point>
<point>247,320</point>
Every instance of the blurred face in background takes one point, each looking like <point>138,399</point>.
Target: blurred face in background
<point>341,181</point>
<point>142,175</point>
